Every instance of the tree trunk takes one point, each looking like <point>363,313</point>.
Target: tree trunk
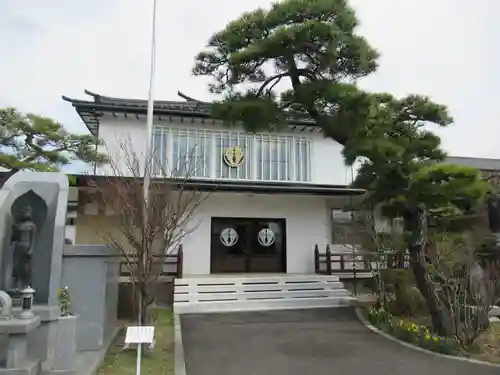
<point>146,303</point>
<point>417,223</point>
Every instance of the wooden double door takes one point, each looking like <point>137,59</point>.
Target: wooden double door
<point>246,245</point>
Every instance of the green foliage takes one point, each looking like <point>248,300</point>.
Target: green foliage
<point>400,160</point>
<point>404,297</point>
<point>38,143</point>
<point>310,44</point>
<point>410,332</point>
<point>65,301</point>
<point>379,316</point>
<point>312,47</point>
<point>487,250</point>
<point>448,189</point>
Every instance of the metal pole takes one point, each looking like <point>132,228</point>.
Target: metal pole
<point>147,165</point>
<point>149,119</point>
<point>138,361</point>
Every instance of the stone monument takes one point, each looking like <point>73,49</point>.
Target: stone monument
<point>33,209</point>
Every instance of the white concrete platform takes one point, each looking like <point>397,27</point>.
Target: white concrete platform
<point>254,292</point>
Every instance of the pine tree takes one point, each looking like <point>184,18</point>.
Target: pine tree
<point>300,60</point>
<point>39,143</point>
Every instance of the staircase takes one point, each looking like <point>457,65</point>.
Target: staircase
<point>258,292</point>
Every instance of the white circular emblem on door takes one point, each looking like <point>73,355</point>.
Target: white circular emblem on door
<point>228,237</point>
<point>266,237</point>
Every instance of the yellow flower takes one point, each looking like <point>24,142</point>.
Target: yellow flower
<point>427,337</point>
<point>436,339</point>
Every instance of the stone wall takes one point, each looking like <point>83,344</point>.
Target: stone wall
<point>91,272</point>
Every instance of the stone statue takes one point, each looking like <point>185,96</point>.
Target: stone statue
<point>23,242</point>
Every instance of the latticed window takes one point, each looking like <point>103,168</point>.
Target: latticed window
<point>191,153</point>
<point>276,161</point>
<point>200,153</point>
<point>182,152</point>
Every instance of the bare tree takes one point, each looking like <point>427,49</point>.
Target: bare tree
<point>144,230</point>
<point>465,288</point>
<point>365,248</point>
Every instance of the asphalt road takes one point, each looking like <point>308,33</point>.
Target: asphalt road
<point>303,342</point>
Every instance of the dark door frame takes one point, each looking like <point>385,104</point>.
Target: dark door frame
<point>248,254</point>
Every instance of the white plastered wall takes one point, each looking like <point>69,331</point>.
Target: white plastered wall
<point>307,224</point>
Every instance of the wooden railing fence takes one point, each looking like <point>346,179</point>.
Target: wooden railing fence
<point>361,262</point>
<point>171,268</point>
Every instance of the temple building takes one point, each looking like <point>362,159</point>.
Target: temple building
<point>273,196</point>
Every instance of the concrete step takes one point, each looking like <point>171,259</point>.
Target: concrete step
<point>261,305</point>
<point>269,295</point>
<point>258,292</point>
<point>264,287</point>
<point>256,280</point>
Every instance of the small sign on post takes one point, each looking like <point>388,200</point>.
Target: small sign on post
<point>140,335</point>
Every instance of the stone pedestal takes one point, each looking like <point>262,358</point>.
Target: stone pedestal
<point>65,346</point>
<point>18,358</point>
<point>42,343</point>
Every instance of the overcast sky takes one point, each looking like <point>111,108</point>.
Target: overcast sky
<point>447,49</point>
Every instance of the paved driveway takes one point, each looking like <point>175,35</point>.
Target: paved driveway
<point>303,342</point>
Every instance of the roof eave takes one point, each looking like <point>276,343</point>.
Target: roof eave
<point>257,187</point>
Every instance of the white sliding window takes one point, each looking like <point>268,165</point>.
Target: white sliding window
<point>282,158</point>
<point>200,153</point>
<point>302,163</point>
<point>191,153</point>
<point>160,147</point>
<point>182,152</point>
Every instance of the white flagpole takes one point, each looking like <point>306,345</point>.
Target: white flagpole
<point>148,161</point>
<point>149,119</point>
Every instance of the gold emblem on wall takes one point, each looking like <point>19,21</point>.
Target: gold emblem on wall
<point>234,157</point>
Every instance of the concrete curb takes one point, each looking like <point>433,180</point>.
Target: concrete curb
<point>179,361</point>
<point>372,328</point>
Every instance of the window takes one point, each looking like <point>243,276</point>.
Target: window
<point>199,153</point>
<point>276,161</point>
<point>302,158</point>
<point>190,152</point>
<point>274,158</point>
<point>160,141</point>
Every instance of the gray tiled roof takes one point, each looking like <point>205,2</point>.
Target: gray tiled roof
<point>90,110</point>
<point>484,164</point>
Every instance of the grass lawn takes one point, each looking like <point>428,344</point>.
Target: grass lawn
<point>159,361</point>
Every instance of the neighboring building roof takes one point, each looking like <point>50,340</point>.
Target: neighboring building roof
<point>483,164</point>
<point>91,110</point>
